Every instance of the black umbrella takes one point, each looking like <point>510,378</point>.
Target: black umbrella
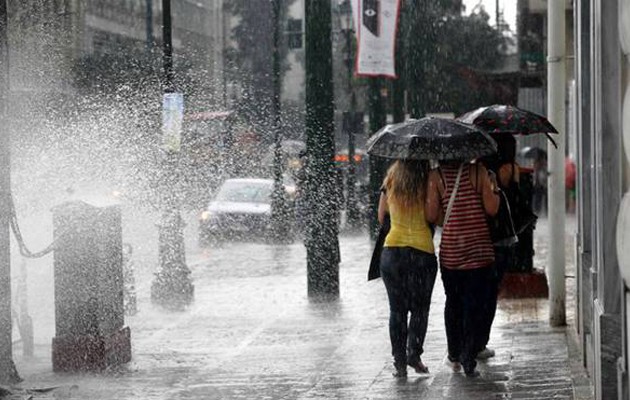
<point>505,119</point>
<point>431,138</point>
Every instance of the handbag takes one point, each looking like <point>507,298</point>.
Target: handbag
<point>375,262</point>
<point>522,213</point>
<point>502,230</point>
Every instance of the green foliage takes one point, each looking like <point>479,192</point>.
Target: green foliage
<point>446,55</point>
<point>250,62</point>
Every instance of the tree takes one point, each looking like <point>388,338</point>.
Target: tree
<point>250,63</point>
<point>442,49</point>
<point>467,48</point>
<point>8,373</point>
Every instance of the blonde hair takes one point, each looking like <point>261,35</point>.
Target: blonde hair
<point>406,182</point>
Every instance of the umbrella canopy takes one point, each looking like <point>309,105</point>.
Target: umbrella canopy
<point>431,138</point>
<point>507,119</point>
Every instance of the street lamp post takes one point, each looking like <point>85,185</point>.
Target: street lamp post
<point>172,286</point>
<point>278,206</point>
<point>378,119</point>
<point>149,27</point>
<point>351,125</point>
<point>321,238</point>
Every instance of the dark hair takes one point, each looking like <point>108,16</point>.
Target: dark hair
<point>506,152</point>
<point>506,148</point>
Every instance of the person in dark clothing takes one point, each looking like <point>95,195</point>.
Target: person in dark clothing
<point>503,165</point>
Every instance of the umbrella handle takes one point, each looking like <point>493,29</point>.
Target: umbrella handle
<point>551,139</point>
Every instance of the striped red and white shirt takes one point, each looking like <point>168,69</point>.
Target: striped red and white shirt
<point>466,242</point>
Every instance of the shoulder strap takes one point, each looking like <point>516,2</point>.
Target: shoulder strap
<point>439,170</point>
<point>451,200</point>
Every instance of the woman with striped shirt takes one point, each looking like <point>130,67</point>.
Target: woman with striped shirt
<point>466,253</point>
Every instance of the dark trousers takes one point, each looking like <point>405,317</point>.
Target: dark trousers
<point>467,292</point>
<point>409,276</point>
<point>503,258</point>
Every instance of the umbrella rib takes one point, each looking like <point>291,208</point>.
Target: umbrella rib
<point>551,140</point>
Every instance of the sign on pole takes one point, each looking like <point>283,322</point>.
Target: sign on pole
<point>172,119</point>
<point>376,23</point>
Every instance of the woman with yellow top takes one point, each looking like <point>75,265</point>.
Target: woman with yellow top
<point>408,263</point>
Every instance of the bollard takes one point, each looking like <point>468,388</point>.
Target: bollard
<point>88,275</point>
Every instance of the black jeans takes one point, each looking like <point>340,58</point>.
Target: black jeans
<point>503,258</point>
<point>409,276</point>
<point>467,292</point>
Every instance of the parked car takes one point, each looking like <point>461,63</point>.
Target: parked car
<point>241,210</point>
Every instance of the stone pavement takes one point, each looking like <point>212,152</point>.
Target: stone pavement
<point>253,334</point>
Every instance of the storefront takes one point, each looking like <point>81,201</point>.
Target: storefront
<point>603,270</point>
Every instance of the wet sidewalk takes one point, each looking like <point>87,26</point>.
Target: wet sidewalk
<point>253,334</point>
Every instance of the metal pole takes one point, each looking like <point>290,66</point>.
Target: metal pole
<point>149,12</point>
<point>556,87</point>
<point>8,373</point>
<point>172,286</point>
<point>278,214</point>
<point>497,14</point>
<point>167,44</point>
<point>378,119</point>
<point>321,239</point>
<point>398,86</point>
<point>352,213</point>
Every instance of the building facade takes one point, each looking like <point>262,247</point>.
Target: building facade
<point>532,46</point>
<point>602,120</point>
<point>48,40</point>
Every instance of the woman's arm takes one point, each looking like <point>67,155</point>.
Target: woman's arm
<point>433,212</point>
<point>382,208</point>
<point>489,191</point>
<point>507,173</point>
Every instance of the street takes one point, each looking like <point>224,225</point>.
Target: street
<point>252,333</point>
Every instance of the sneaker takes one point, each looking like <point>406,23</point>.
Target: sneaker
<point>419,367</point>
<point>485,354</point>
<point>452,364</point>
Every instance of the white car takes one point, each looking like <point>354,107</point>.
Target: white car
<point>241,209</point>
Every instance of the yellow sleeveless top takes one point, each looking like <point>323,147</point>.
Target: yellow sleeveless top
<point>409,228</point>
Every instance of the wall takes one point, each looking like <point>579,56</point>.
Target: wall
<point>600,78</point>
<point>623,219</point>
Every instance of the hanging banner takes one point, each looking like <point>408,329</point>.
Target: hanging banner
<point>172,118</point>
<point>376,22</point>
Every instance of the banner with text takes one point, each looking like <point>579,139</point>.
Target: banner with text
<point>376,22</point>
